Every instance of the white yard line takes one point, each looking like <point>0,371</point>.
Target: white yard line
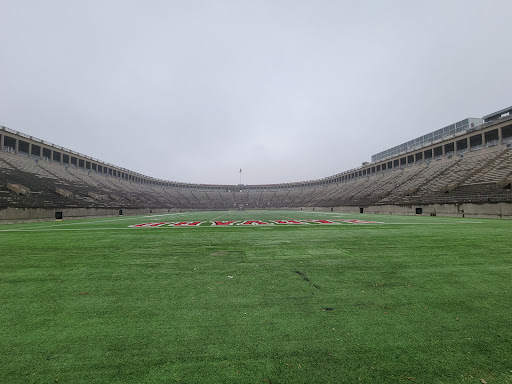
<point>66,229</point>
<point>215,218</point>
<point>444,223</point>
<point>103,221</point>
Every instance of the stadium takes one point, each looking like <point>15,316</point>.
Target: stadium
<point>122,277</point>
<point>255,192</point>
<point>464,169</point>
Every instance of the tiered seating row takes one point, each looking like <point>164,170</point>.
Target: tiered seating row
<point>471,177</point>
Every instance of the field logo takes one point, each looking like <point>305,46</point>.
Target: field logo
<point>223,222</point>
<point>321,221</point>
<point>287,222</point>
<point>167,224</point>
<point>254,222</point>
<point>246,223</point>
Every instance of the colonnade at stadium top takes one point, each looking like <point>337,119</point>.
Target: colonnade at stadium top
<point>491,133</point>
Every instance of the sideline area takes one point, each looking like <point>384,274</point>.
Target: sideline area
<point>256,218</point>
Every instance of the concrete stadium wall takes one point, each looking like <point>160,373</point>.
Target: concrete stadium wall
<point>487,210</point>
<point>32,215</point>
<point>484,210</point>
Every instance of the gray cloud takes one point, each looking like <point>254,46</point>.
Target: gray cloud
<point>285,90</point>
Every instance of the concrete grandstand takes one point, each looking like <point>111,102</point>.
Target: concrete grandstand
<point>462,170</point>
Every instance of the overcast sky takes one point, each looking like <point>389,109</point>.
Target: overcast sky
<point>287,90</point>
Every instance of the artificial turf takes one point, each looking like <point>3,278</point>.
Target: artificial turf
<point>414,299</point>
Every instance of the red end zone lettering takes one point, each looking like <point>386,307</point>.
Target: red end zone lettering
<point>359,222</point>
<point>287,222</point>
<point>223,222</point>
<point>226,223</point>
<point>149,225</point>
<point>253,222</point>
<point>321,221</point>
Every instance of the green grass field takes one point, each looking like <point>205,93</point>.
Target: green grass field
<point>413,299</point>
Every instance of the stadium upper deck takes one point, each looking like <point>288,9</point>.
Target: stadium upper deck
<point>432,137</point>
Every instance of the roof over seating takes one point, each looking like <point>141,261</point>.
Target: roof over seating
<point>497,114</point>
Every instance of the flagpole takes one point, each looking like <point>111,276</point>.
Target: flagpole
<point>240,176</point>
